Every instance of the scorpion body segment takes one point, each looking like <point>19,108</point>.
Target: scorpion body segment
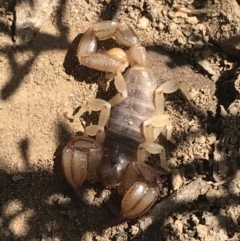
<point>128,124</point>
<point>127,117</point>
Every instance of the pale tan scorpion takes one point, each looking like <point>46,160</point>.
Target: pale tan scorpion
<point>128,124</point>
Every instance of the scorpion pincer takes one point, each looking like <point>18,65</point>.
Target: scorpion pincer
<point>128,124</point>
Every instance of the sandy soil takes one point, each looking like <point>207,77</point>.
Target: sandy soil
<point>41,80</point>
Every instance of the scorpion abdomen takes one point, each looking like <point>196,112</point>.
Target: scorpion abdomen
<point>127,117</point>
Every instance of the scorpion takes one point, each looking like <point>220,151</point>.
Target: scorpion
<point>128,124</point>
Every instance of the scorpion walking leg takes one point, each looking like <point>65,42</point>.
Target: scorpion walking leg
<point>104,108</point>
<point>151,129</point>
<point>145,149</point>
<point>166,88</point>
<point>153,126</point>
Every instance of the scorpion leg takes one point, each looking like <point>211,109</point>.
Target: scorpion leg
<point>141,187</point>
<point>154,124</point>
<point>151,129</point>
<point>104,108</point>
<point>145,149</point>
<point>166,88</point>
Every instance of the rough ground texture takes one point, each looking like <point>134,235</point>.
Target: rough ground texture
<point>40,80</point>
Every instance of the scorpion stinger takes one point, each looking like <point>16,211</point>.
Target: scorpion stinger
<point>128,124</point>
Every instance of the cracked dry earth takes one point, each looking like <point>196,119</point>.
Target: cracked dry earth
<point>41,79</point>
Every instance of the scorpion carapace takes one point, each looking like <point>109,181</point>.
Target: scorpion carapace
<point>128,124</point>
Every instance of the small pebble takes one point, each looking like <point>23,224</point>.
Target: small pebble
<point>211,138</point>
<point>194,128</point>
<point>134,230</point>
<point>195,219</point>
<point>177,180</point>
<point>161,26</point>
<point>206,66</point>
<point>143,23</point>
<point>234,111</point>
<point>88,17</point>
<point>179,226</point>
<point>55,199</point>
<point>202,231</point>
<point>212,195</point>
<point>192,20</point>
<point>201,139</point>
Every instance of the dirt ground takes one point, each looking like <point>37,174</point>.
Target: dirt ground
<point>41,80</point>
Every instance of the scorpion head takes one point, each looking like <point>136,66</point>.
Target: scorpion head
<point>115,160</point>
